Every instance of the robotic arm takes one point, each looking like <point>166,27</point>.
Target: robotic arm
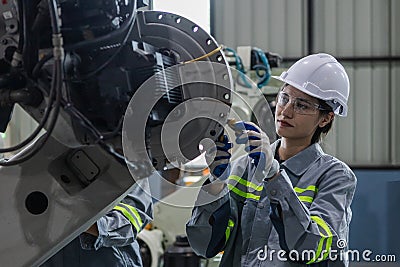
<point>77,68</point>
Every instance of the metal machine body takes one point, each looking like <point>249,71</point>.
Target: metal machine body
<point>77,170</point>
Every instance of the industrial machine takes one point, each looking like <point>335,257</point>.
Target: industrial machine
<point>163,243</point>
<point>254,89</point>
<point>102,79</point>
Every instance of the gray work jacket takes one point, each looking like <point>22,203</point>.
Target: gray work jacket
<point>300,217</point>
<point>116,244</point>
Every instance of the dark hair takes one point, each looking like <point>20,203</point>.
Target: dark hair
<point>322,131</point>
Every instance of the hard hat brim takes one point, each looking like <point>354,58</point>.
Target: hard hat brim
<point>299,87</point>
<point>278,78</point>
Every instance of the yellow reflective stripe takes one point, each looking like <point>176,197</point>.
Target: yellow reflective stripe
<point>306,199</point>
<point>129,216</point>
<point>329,235</point>
<point>323,224</point>
<point>309,188</point>
<point>246,183</point>
<point>328,247</point>
<point>243,194</point>
<point>228,230</point>
<point>134,211</point>
<point>319,250</point>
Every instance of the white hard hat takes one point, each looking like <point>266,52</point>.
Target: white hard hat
<point>321,76</point>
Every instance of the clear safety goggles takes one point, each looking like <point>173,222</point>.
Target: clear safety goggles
<point>300,106</point>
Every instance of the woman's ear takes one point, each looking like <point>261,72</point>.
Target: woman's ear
<point>326,119</point>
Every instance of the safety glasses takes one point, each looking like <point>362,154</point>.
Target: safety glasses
<point>300,106</point>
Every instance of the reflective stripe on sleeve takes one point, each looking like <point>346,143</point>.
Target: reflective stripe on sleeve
<point>306,194</point>
<point>244,188</point>
<point>243,194</point>
<point>328,237</point>
<point>306,199</point>
<point>246,183</point>
<point>134,210</point>
<point>131,214</point>
<point>228,230</point>
<point>309,188</point>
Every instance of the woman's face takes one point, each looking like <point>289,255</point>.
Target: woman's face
<point>293,120</point>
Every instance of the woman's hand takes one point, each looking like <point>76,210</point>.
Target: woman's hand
<point>257,145</point>
<point>220,166</point>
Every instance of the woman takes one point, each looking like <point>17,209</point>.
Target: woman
<point>287,204</point>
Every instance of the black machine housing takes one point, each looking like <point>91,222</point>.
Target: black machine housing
<point>106,60</point>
